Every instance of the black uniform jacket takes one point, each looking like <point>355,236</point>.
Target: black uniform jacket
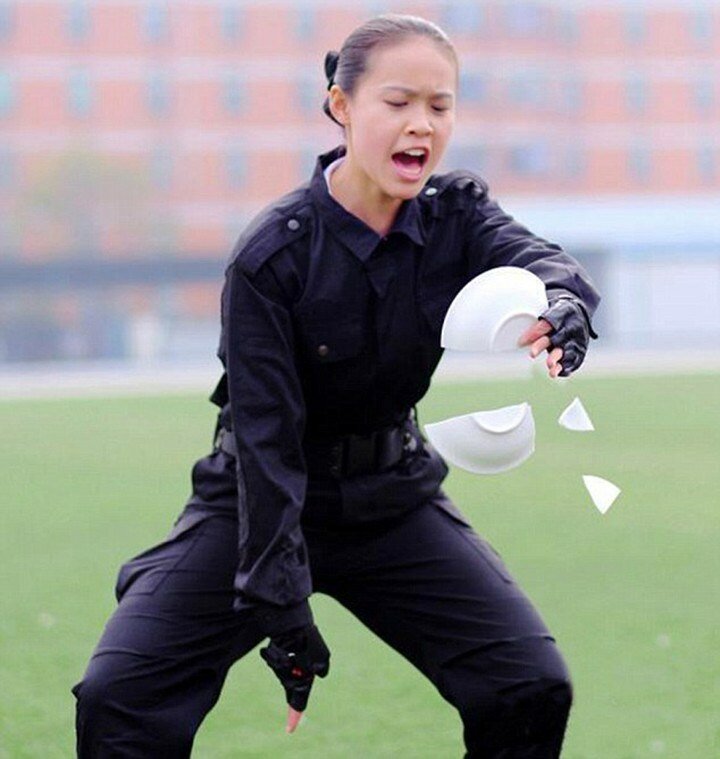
<point>329,329</point>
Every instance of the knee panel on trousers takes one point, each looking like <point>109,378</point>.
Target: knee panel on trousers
<point>117,717</point>
<point>514,699</point>
<point>525,721</point>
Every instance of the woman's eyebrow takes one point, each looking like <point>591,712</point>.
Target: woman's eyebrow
<point>410,91</point>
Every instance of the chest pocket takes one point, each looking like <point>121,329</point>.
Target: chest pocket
<point>329,342</point>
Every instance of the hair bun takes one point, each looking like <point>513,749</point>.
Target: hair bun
<point>331,64</point>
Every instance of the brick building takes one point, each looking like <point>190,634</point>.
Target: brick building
<point>142,129</point>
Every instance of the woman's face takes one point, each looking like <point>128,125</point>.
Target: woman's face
<point>400,117</point>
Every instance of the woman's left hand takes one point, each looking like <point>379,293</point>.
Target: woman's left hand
<point>564,331</point>
<point>537,337</point>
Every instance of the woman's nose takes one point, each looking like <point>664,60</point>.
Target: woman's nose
<point>419,122</point>
<point>420,126</point>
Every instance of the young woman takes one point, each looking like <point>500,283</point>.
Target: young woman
<point>320,480</point>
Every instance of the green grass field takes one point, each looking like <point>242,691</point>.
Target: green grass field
<point>633,596</point>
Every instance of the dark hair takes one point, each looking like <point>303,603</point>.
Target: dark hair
<point>347,67</point>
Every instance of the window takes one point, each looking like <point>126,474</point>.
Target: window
<point>568,25</point>
<point>523,19</point>
<point>158,94</point>
<point>233,94</point>
<point>305,22</point>
<point>635,26</point>
<point>575,161</point>
<point>527,88</point>
<point>471,157</point>
<point>639,162</point>
<point>7,93</point>
<point>307,161</point>
<point>236,168</point>
<point>230,22</point>
<point>636,94</point>
<point>80,93</point>
<point>473,87</point>
<point>309,93</point>
<point>162,165</point>
<point>461,17</point>
<point>78,21</point>
<point>530,160</point>
<point>155,22</point>
<point>374,8</point>
<point>234,228</point>
<point>702,26</point>
<point>704,94</point>
<point>572,95</point>
<point>7,20</point>
<point>707,164</point>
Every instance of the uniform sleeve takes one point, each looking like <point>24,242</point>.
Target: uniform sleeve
<point>268,418</point>
<point>496,239</point>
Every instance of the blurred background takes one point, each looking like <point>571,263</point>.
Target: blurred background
<point>137,138</point>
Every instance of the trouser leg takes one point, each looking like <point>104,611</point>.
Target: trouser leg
<point>163,657</point>
<point>440,595</point>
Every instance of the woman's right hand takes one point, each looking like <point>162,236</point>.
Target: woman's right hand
<point>296,657</point>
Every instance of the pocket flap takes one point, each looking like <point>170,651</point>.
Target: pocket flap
<point>328,341</point>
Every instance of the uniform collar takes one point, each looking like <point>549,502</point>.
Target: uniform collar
<point>354,233</point>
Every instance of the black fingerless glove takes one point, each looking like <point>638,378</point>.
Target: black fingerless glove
<point>571,331</point>
<point>296,657</point>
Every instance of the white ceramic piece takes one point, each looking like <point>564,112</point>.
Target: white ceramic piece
<point>576,418</point>
<point>493,310</point>
<point>486,442</point>
<point>603,492</point>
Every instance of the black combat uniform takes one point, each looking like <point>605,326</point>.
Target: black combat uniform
<point>321,482</point>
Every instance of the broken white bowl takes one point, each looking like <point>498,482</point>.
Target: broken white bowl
<point>486,442</point>
<point>493,310</point>
<point>603,492</point>
<point>576,418</point>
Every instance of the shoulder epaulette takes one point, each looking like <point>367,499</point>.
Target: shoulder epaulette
<point>455,188</point>
<point>273,229</point>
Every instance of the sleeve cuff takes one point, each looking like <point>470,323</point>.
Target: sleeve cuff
<point>557,294</point>
<point>276,620</point>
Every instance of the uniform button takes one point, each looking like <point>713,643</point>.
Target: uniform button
<point>323,350</point>
<point>293,225</point>
<point>431,191</point>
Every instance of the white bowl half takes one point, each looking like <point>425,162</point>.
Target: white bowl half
<point>486,442</point>
<point>493,310</point>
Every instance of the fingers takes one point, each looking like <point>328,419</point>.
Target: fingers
<point>293,720</point>
<point>539,346</point>
<point>297,694</point>
<point>540,328</point>
<point>538,338</point>
<point>553,362</point>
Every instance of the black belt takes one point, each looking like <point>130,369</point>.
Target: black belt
<point>350,455</point>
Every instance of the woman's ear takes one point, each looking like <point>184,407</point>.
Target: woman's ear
<point>339,105</point>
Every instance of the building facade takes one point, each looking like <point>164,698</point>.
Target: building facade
<point>145,129</point>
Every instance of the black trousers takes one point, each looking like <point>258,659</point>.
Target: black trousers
<point>424,582</point>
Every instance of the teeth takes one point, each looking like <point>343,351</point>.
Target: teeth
<point>415,153</point>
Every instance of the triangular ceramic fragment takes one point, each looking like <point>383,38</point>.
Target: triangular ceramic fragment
<point>602,492</point>
<point>576,418</point>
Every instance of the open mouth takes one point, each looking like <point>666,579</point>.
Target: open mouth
<point>410,163</point>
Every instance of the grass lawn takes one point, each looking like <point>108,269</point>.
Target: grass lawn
<point>633,596</point>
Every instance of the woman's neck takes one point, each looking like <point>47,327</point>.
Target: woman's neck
<point>362,198</point>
